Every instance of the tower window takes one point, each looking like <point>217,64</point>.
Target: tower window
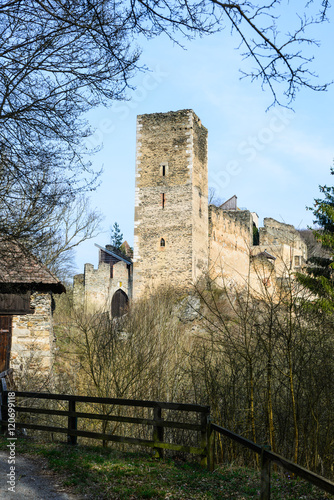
<point>162,242</point>
<point>163,169</point>
<point>163,200</point>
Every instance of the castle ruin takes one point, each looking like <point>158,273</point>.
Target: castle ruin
<point>178,238</point>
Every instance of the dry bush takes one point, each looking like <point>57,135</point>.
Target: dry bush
<point>264,364</point>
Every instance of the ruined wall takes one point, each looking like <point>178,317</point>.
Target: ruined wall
<point>262,276</point>
<point>177,239</point>
<point>284,242</point>
<point>97,285</point>
<point>79,290</point>
<point>171,212</point>
<point>230,240</point>
<point>32,337</point>
<point>93,290</point>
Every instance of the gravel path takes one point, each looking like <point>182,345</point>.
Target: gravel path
<point>32,480</point>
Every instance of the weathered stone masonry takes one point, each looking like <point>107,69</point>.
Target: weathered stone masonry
<point>171,201</point>
<point>230,240</point>
<point>94,290</point>
<point>32,336</point>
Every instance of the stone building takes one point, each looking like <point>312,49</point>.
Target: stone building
<point>107,288</point>
<point>26,306</point>
<point>178,238</point>
<point>171,200</point>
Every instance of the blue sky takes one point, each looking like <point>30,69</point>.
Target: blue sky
<point>273,160</point>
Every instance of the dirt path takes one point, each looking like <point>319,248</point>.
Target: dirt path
<point>32,480</point>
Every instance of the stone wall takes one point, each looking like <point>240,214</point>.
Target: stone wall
<point>32,337</point>
<point>79,290</point>
<point>230,242</point>
<point>200,214</point>
<point>284,242</point>
<point>171,213</point>
<point>263,276</point>
<point>97,286</point>
<point>93,290</point>
<point>122,280</point>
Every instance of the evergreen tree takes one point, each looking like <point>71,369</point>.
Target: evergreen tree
<point>116,237</point>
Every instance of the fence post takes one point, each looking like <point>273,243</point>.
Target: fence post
<point>158,432</point>
<point>3,402</point>
<point>72,424</point>
<point>265,473</point>
<point>211,445</point>
<point>204,438</point>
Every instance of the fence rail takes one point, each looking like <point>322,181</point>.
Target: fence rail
<point>268,456</point>
<point>205,428</point>
<point>157,422</point>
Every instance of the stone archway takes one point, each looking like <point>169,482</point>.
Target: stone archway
<point>119,303</point>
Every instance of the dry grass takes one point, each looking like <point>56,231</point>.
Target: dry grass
<point>102,474</point>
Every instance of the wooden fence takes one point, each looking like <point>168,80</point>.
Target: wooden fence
<point>157,422</point>
<point>267,457</point>
<point>204,427</point>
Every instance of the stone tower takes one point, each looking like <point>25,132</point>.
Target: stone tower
<point>171,203</point>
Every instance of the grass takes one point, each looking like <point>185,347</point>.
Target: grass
<point>102,474</point>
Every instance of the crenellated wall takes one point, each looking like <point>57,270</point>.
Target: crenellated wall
<point>93,290</point>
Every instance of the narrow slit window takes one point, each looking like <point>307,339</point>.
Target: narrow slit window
<point>163,200</point>
<point>163,169</point>
<point>162,242</point>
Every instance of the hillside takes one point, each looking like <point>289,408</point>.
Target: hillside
<point>106,474</point>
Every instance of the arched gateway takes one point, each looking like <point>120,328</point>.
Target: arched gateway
<point>119,303</point>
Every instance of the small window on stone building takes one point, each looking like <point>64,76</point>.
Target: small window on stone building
<point>163,169</point>
<point>297,260</point>
<point>163,200</point>
<point>162,242</point>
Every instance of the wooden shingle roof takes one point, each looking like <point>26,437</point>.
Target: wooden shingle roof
<point>19,268</point>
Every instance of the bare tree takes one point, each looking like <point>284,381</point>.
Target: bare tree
<point>214,198</point>
<point>42,218</point>
<point>67,227</point>
<point>267,363</point>
<point>278,56</point>
<point>59,59</point>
